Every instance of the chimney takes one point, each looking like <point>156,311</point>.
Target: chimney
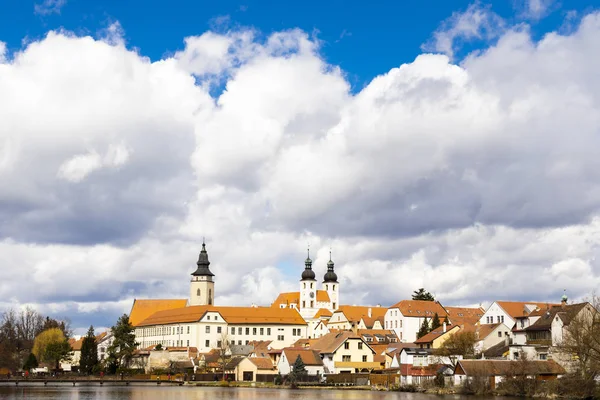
<point>369,312</point>
<point>444,326</point>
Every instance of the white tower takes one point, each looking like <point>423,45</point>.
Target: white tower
<point>331,285</point>
<point>308,290</point>
<point>202,287</point>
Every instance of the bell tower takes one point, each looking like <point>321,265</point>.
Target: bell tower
<point>331,285</point>
<point>308,290</point>
<point>202,286</point>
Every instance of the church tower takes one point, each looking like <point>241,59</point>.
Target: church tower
<point>202,287</point>
<point>331,285</point>
<point>308,289</point>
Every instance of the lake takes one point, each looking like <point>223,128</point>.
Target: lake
<point>204,393</point>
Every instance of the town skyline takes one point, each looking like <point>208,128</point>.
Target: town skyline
<point>449,147</point>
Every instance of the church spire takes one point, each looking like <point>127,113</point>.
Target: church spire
<point>203,263</point>
<point>308,273</point>
<point>330,275</point>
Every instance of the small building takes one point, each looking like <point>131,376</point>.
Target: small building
<point>435,338</point>
<point>248,368</point>
<point>311,359</point>
<point>497,370</point>
<point>418,365</point>
<point>407,316</point>
<point>345,351</point>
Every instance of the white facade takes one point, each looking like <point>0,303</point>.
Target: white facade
<point>285,366</point>
<point>495,313</point>
<point>500,333</point>
<point>406,328</point>
<point>308,298</point>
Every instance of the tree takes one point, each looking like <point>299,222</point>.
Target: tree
<point>64,325</point>
<point>224,353</point>
<point>424,329</point>
<point>458,344</point>
<point>298,371</point>
<point>121,350</point>
<point>89,352</point>
<point>56,352</point>
<point>580,344</point>
<point>30,363</point>
<point>422,294</point>
<point>435,322</point>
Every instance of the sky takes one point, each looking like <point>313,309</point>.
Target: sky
<point>445,145</point>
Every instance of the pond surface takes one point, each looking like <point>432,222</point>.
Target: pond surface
<point>205,393</point>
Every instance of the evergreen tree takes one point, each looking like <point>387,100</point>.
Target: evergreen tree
<point>422,294</point>
<point>30,363</point>
<point>56,352</point>
<point>424,330</point>
<point>435,322</point>
<point>298,370</point>
<point>89,352</point>
<point>123,346</point>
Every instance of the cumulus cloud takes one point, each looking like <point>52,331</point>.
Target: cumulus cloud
<point>478,181</point>
<point>48,7</point>
<point>536,9</point>
<point>477,22</point>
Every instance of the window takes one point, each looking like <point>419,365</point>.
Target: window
<point>360,345</point>
<point>262,331</point>
<point>312,304</point>
<point>208,318</point>
<point>233,331</point>
<point>247,341</point>
<point>207,344</point>
<point>334,290</point>
<point>522,323</point>
<point>364,358</point>
<point>268,331</point>
<point>218,344</point>
<point>497,318</point>
<point>208,329</point>
<point>219,330</point>
<point>326,287</point>
<point>209,297</point>
<point>233,342</point>
<point>311,285</point>
<point>254,331</point>
<point>346,358</point>
<point>198,292</point>
<point>334,306</point>
<point>239,342</point>
<point>543,356</point>
<point>303,304</point>
<point>280,337</point>
<point>502,319</point>
<point>247,331</point>
<point>499,334</point>
<point>188,330</point>
<point>240,330</point>
<point>400,323</point>
<point>396,323</point>
<point>188,343</point>
<point>304,285</point>
<point>347,345</point>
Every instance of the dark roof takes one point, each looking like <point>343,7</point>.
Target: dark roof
<point>417,350</point>
<point>330,275</point>
<point>496,351</point>
<point>203,264</point>
<point>505,367</point>
<point>566,313</point>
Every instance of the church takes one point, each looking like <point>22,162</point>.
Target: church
<point>198,322</point>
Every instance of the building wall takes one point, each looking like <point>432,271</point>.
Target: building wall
<point>356,354</point>
<point>495,314</point>
<point>284,367</point>
<point>493,339</point>
<point>202,291</point>
<point>244,366</point>
<point>406,328</point>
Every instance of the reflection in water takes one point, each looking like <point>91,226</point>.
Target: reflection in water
<point>200,393</point>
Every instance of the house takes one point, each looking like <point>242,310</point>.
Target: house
<point>435,338</point>
<point>488,335</point>
<point>171,358</point>
<point>542,337</point>
<point>507,312</point>
<point>378,336</point>
<point>494,371</point>
<point>248,368</point>
<point>354,317</point>
<point>73,363</point>
<point>319,329</point>
<point>103,341</point>
<point>418,365</point>
<point>407,316</point>
<point>311,359</point>
<point>498,351</point>
<point>344,351</point>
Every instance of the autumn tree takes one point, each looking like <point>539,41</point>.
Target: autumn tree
<point>120,352</point>
<point>458,344</point>
<point>424,329</point>
<point>89,352</point>
<point>51,346</point>
<point>422,294</point>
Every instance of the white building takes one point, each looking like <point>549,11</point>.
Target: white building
<point>508,312</point>
<point>311,359</point>
<point>406,317</point>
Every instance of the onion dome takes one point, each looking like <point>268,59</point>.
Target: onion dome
<point>203,263</point>
<point>330,275</point>
<point>308,273</point>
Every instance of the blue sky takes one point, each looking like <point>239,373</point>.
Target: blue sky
<point>427,143</point>
<point>363,38</point>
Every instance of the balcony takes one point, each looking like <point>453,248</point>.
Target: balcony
<point>357,364</point>
<point>539,342</point>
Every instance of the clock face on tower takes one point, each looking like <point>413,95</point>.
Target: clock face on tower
<point>312,294</point>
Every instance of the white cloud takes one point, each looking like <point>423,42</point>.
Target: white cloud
<point>537,9</point>
<point>477,22</point>
<point>477,181</point>
<point>47,7</point>
<point>3,52</point>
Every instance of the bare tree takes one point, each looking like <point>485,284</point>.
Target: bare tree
<point>224,352</point>
<point>580,344</point>
<point>458,344</point>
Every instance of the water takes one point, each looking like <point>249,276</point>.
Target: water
<point>204,393</point>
